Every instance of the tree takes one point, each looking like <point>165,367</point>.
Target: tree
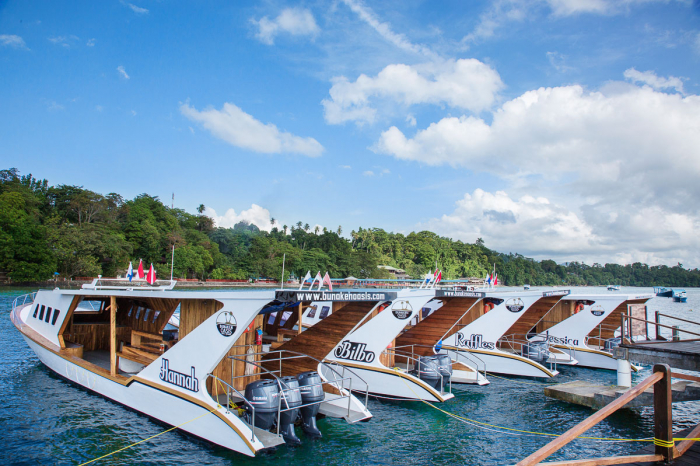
<point>340,230</point>
<point>479,242</point>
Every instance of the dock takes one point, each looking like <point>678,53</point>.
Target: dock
<point>683,354</point>
<point>691,457</point>
<point>597,396</point>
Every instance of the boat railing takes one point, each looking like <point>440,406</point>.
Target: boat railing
<point>527,348</point>
<point>100,283</point>
<point>541,338</point>
<point>229,390</point>
<point>412,364</point>
<point>471,359</point>
<point>336,383</point>
<point>339,370</point>
<point>600,343</point>
<point>626,327</point>
<point>22,300</point>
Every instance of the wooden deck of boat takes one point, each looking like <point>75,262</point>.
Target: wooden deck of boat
<point>690,458</point>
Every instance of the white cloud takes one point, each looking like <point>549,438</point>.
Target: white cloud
<point>649,78</point>
<point>384,29</point>
<point>90,43</point>
<point>99,108</point>
<point>256,215</point>
<point>122,72</point>
<point>136,9</point>
<point>345,167</point>
<point>54,106</point>
<point>465,84</point>
<point>293,21</point>
<point>368,173</point>
<point>133,113</point>
<point>411,120</point>
<point>11,40</point>
<point>627,157</point>
<point>63,41</point>
<point>697,43</point>
<point>558,62</point>
<point>240,129</point>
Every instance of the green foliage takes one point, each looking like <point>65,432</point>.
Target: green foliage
<point>78,232</point>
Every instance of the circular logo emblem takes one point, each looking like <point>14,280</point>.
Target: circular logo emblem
<point>597,310</point>
<point>515,305</point>
<point>226,323</point>
<point>402,309</point>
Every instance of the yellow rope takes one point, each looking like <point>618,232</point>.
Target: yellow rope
<point>153,436</point>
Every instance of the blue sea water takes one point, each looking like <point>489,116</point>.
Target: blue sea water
<point>45,419</point>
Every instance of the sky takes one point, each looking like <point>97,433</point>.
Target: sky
<point>556,129</point>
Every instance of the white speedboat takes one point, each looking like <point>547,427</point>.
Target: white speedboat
<point>109,339</point>
<point>370,327</point>
<point>584,326</point>
<point>490,327</point>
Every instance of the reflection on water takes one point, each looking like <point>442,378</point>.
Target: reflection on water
<point>47,420</point>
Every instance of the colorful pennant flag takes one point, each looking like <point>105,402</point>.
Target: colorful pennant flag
<point>130,272</point>
<point>151,275</point>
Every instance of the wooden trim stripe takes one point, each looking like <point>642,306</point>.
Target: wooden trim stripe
<point>504,355</point>
<point>120,379</point>
<point>590,350</point>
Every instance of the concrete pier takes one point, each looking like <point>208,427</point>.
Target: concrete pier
<point>596,396</point>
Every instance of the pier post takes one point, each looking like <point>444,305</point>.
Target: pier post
<point>624,373</point>
<point>658,329</point>
<point>676,335</point>
<point>663,416</point>
<point>113,336</point>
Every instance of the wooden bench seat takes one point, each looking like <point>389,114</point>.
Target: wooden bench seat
<point>138,354</point>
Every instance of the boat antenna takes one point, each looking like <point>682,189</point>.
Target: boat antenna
<point>284,257</point>
<point>172,261</point>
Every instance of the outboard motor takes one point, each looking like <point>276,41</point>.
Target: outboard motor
<point>444,362</point>
<point>612,343</point>
<point>292,395</point>
<point>311,392</point>
<point>537,351</point>
<point>428,371</point>
<point>262,394</point>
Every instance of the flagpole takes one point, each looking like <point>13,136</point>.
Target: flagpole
<point>172,261</point>
<point>284,257</point>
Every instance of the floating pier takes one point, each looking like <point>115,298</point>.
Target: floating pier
<point>596,395</point>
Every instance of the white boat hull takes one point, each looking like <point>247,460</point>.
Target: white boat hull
<point>589,357</point>
<point>500,362</point>
<point>158,404</point>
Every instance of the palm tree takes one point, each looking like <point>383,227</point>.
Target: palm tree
<point>340,230</point>
<point>316,230</point>
<point>284,227</point>
<point>306,227</point>
<point>201,208</point>
<point>272,221</point>
<point>299,225</point>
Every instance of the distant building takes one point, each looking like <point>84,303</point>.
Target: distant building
<point>399,274</point>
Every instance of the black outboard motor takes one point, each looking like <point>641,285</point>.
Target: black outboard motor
<point>311,392</point>
<point>262,394</point>
<point>612,343</point>
<point>292,395</point>
<point>537,351</point>
<point>428,371</point>
<point>444,362</point>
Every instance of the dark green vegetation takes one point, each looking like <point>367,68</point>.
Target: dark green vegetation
<point>80,233</point>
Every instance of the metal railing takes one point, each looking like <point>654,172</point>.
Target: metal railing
<point>229,390</point>
<point>519,345</point>
<point>341,369</point>
<point>472,359</point>
<point>24,298</point>
<point>295,355</point>
<point>415,365</point>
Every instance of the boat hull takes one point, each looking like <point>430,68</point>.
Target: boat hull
<point>157,403</point>
<point>596,359</point>
<point>500,362</point>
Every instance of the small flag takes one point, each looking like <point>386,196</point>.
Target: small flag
<point>327,281</point>
<point>151,276</point>
<point>320,280</point>
<point>495,280</point>
<point>439,277</point>
<point>307,277</point>
<point>488,279</point>
<point>140,274</point>
<point>130,272</point>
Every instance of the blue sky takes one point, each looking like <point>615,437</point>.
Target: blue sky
<point>564,129</point>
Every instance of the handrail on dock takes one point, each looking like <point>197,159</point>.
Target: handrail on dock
<point>626,326</point>
<point>663,424</point>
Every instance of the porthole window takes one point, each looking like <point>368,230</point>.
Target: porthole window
<point>41,314</point>
<point>55,316</point>
<point>48,315</point>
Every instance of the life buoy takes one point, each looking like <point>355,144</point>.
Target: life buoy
<point>488,307</point>
<point>579,308</point>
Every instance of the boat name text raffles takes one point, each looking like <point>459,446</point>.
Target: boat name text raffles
<point>188,382</point>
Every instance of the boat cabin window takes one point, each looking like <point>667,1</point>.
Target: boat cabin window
<point>55,316</point>
<point>312,311</point>
<point>41,314</point>
<point>324,312</point>
<point>36,311</point>
<point>145,315</point>
<point>48,315</point>
<point>285,317</point>
<point>271,320</point>
<point>155,316</point>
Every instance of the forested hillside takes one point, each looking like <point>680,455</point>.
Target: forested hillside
<point>79,233</point>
